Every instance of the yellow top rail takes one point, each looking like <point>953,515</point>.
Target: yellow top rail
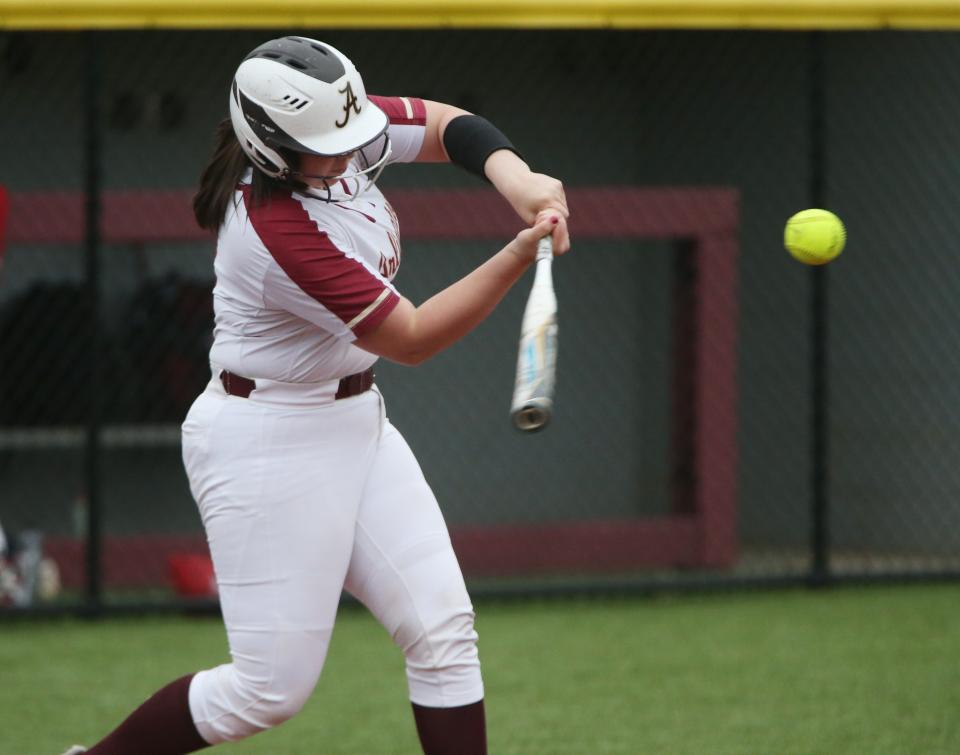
<point>403,14</point>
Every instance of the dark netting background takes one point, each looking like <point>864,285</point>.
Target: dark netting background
<point>713,111</point>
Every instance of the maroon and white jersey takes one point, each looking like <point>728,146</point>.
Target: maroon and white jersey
<point>299,279</point>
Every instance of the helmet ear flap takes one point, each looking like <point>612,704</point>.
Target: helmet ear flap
<point>265,158</point>
<point>262,159</point>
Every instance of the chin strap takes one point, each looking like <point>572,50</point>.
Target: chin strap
<point>358,181</point>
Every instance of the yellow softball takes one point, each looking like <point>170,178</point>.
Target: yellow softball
<point>814,236</point>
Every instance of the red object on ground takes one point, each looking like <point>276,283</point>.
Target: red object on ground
<point>192,575</point>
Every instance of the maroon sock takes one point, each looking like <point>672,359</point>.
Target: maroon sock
<point>161,726</point>
<point>452,731</point>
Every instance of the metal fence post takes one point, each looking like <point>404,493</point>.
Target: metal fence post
<point>92,206</point>
<point>819,396</point>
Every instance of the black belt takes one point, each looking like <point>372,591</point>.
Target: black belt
<point>351,385</point>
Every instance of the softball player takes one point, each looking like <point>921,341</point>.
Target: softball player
<point>303,485</point>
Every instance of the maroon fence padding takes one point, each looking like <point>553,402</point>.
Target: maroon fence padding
<point>609,545</point>
<point>131,561</point>
<point>134,217</point>
<point>701,530</point>
<point>153,216</point>
<point>128,560</point>
<point>4,207</point>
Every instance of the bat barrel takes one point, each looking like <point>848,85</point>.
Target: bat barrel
<point>532,404</point>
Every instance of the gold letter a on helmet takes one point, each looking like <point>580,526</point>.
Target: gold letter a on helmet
<point>351,104</point>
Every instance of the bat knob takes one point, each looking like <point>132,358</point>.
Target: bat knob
<point>533,415</point>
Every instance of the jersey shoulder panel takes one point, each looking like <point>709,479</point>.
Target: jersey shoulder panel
<point>324,271</point>
<point>408,120</point>
<point>402,111</point>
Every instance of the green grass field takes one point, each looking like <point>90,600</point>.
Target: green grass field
<point>873,671</point>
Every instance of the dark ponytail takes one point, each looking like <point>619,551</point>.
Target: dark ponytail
<point>218,182</point>
<point>228,163</point>
<point>219,179</point>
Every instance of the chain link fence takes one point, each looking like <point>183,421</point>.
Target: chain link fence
<point>681,448</point>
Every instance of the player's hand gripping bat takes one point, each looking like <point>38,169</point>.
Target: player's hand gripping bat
<point>532,405</point>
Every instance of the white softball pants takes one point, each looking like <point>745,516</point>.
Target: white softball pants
<point>299,503</point>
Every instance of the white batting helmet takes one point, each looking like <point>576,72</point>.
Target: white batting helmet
<point>299,94</point>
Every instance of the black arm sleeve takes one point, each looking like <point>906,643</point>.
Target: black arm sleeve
<point>471,139</point>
